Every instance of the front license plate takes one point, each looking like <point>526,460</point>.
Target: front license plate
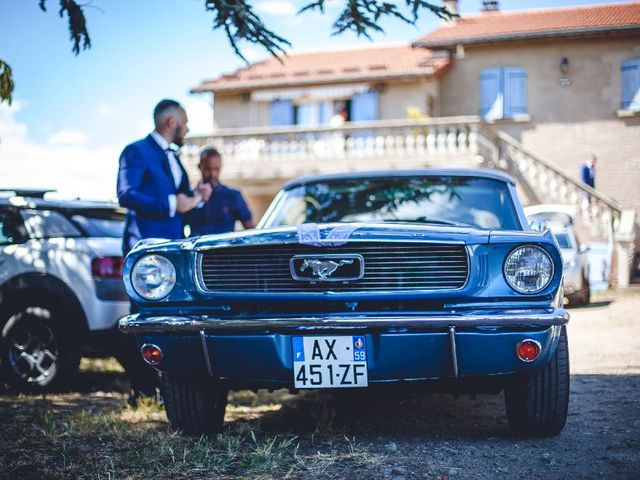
<point>330,362</point>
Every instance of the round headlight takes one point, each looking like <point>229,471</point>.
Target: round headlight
<point>528,269</point>
<point>153,277</point>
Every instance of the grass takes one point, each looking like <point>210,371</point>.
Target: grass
<point>91,433</point>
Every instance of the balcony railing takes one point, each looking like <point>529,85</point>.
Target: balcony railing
<point>284,152</point>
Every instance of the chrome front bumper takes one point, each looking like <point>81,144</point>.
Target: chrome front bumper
<point>149,324</point>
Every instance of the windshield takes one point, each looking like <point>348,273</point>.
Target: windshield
<point>100,224</point>
<point>563,240</point>
<point>447,200</point>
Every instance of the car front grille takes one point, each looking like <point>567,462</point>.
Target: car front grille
<point>387,267</point>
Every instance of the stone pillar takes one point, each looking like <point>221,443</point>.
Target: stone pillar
<point>624,239</point>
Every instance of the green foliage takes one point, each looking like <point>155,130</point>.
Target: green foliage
<point>361,16</point>
<point>241,23</point>
<point>6,83</point>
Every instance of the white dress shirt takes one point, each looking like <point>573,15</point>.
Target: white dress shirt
<point>176,172</point>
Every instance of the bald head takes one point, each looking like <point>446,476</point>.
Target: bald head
<point>170,121</point>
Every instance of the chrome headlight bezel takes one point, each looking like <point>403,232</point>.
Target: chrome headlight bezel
<point>535,250</point>
<point>157,265</point>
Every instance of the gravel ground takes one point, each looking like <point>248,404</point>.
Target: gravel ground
<point>468,438</point>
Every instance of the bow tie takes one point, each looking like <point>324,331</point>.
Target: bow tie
<point>175,151</point>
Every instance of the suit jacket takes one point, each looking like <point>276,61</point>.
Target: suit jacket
<point>587,174</point>
<point>144,185</point>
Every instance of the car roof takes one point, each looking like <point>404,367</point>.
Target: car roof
<point>41,203</point>
<point>420,172</point>
<point>568,210</point>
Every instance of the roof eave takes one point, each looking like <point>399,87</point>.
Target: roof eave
<point>525,36</point>
<point>428,73</point>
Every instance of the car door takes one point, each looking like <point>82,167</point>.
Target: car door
<point>12,233</point>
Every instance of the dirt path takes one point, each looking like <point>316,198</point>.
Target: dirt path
<point>464,438</point>
<point>89,433</point>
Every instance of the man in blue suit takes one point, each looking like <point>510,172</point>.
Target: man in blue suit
<point>153,184</point>
<point>154,187</point>
<point>588,171</point>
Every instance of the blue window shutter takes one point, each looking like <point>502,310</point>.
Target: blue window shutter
<point>325,113</point>
<point>281,112</point>
<point>307,114</point>
<point>515,91</point>
<point>631,84</point>
<point>491,94</point>
<point>364,107</point>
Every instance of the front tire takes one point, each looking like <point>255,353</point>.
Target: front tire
<point>194,405</point>
<point>38,351</point>
<point>537,402</point>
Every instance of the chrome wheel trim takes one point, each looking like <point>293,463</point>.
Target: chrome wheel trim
<point>33,351</point>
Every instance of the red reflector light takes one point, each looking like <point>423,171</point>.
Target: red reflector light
<point>107,267</point>
<point>151,354</point>
<point>528,350</point>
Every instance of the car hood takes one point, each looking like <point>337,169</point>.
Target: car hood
<point>339,233</point>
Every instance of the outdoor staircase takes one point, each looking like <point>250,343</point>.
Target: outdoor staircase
<point>273,155</point>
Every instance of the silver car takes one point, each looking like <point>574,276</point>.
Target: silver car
<point>559,219</point>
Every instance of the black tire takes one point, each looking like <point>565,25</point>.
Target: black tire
<point>586,291</point>
<point>194,405</point>
<point>38,350</point>
<point>537,401</point>
<point>582,297</point>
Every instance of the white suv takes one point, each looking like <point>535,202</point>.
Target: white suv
<point>61,291</point>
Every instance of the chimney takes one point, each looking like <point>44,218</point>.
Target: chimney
<point>451,5</point>
<point>490,6</point>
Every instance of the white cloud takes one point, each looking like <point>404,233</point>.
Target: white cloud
<point>73,169</point>
<point>104,109</point>
<point>200,113</point>
<point>68,138</point>
<point>276,7</point>
<point>254,54</point>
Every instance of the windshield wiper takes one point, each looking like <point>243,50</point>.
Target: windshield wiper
<point>440,221</point>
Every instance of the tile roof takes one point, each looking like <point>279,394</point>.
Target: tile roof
<point>331,67</point>
<point>501,26</point>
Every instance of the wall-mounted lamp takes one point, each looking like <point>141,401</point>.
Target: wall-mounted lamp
<point>380,87</point>
<point>564,65</point>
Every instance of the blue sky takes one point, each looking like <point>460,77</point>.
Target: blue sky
<point>72,115</point>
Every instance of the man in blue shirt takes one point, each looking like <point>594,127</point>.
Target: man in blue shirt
<point>224,207</point>
<point>588,171</point>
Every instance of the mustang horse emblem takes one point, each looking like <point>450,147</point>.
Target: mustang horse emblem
<point>323,268</point>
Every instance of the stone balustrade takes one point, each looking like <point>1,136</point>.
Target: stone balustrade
<point>293,151</point>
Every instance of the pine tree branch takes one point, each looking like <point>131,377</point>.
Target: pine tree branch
<point>78,33</point>
<point>361,16</point>
<point>239,22</point>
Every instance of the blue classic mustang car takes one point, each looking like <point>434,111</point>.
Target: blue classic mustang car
<point>361,280</point>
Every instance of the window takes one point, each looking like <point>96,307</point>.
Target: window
<point>503,92</point>
<point>100,224</point>
<point>311,114</point>
<point>479,202</point>
<point>281,113</point>
<point>11,229</point>
<point>364,107</point>
<point>630,71</point>
<point>48,224</point>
